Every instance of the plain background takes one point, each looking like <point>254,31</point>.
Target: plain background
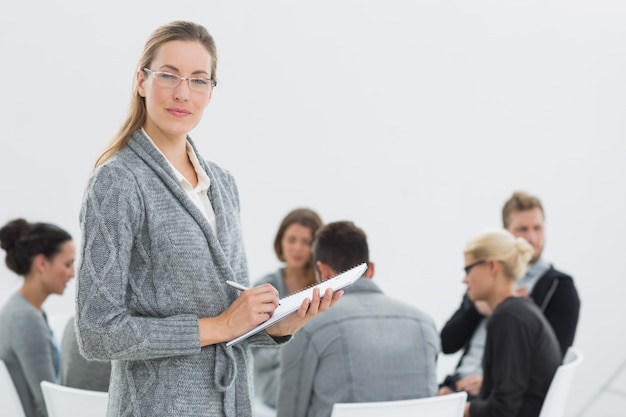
<point>415,119</point>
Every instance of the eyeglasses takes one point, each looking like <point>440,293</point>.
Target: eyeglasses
<point>469,267</point>
<point>166,79</point>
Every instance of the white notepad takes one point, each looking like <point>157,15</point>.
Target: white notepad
<point>291,303</point>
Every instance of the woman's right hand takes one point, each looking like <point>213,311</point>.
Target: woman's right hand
<point>251,308</point>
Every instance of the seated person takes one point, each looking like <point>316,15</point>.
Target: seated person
<point>521,352</point>
<point>44,255</point>
<point>292,246</point>
<point>368,347</point>
<point>78,372</point>
<point>552,290</point>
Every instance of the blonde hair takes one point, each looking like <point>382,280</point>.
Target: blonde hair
<point>136,118</point>
<point>514,253</point>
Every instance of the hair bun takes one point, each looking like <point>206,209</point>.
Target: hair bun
<point>11,232</point>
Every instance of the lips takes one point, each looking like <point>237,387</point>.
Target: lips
<point>174,111</point>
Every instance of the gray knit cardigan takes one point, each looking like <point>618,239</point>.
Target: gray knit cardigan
<point>150,266</point>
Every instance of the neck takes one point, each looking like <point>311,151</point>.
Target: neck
<point>296,278</point>
<point>33,292</point>
<point>501,294</point>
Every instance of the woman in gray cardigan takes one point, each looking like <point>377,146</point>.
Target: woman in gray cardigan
<point>161,235</point>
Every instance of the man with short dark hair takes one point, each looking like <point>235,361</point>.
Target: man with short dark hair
<point>368,347</point>
<point>552,290</point>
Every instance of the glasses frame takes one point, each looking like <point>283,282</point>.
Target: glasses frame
<point>468,268</point>
<point>155,74</point>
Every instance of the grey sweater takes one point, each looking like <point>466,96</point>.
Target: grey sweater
<point>26,349</point>
<point>150,266</point>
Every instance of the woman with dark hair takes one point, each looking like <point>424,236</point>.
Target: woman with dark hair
<point>43,254</point>
<point>293,246</point>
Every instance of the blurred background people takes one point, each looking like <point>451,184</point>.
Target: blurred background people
<point>368,347</point>
<point>521,351</point>
<point>43,254</point>
<point>552,290</point>
<point>293,246</point>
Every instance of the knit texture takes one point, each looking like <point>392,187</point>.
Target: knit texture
<point>150,266</point>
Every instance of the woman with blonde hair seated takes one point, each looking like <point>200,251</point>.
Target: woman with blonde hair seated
<point>521,352</point>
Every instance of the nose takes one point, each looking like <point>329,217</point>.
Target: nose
<point>182,91</point>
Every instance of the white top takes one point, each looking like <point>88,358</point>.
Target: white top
<point>200,194</point>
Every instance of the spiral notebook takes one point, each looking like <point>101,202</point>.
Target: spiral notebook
<point>290,304</point>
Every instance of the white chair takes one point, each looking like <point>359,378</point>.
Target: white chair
<point>9,399</point>
<point>450,405</point>
<point>62,401</point>
<point>556,398</point>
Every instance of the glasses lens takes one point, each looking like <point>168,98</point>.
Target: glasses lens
<point>166,79</point>
<point>202,85</point>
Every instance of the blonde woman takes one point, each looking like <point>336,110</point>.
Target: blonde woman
<point>521,351</point>
<point>161,236</point>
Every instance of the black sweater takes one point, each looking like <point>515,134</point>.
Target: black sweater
<point>555,295</point>
<point>520,359</point>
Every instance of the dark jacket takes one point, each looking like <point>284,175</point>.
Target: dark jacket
<point>555,295</point>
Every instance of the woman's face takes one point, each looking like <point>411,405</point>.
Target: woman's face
<point>478,279</point>
<point>174,111</point>
<point>60,269</point>
<point>296,245</point>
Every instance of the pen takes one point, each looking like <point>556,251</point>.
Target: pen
<point>236,285</point>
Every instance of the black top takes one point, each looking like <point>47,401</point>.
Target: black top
<point>520,359</point>
<point>554,293</point>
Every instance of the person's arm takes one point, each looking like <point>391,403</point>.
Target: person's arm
<point>30,339</point>
<point>458,330</point>
<point>267,374</point>
<point>111,216</point>
<point>297,376</point>
<point>562,311</point>
<point>508,352</point>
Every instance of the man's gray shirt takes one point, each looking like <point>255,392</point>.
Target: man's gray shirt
<point>368,347</point>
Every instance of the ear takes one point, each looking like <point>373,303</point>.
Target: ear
<point>495,267</point>
<point>325,271</point>
<point>140,79</point>
<point>369,274</point>
<point>39,263</point>
<point>208,100</point>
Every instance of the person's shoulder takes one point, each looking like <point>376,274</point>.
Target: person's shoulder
<point>410,310</point>
<point>273,278</point>
<point>552,272</point>
<point>119,166</point>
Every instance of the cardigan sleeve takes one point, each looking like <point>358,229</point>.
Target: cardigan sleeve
<point>110,218</point>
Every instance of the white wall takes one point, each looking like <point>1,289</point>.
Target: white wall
<point>414,119</point>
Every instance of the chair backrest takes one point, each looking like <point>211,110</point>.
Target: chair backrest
<point>62,401</point>
<point>556,398</point>
<point>450,405</point>
<point>9,399</point>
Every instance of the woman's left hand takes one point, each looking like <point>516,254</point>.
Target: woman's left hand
<point>306,312</point>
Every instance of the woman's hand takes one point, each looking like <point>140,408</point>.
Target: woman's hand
<point>251,308</point>
<point>470,383</point>
<point>306,312</point>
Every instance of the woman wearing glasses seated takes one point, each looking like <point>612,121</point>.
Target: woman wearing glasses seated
<point>521,352</point>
